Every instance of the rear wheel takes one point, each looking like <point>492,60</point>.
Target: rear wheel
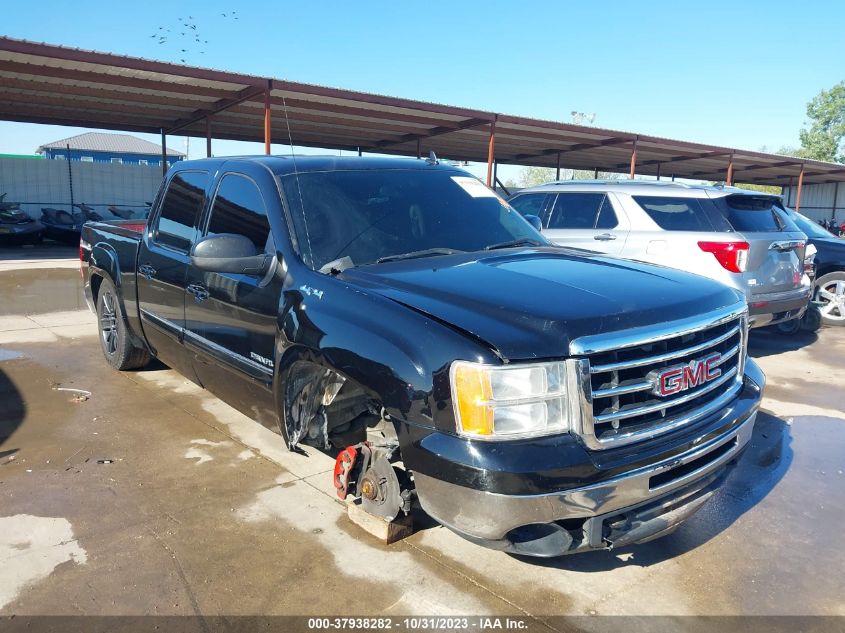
<point>830,293</point>
<point>793,326</point>
<point>114,339</point>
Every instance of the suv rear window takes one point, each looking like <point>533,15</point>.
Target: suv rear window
<point>754,214</point>
<point>683,214</point>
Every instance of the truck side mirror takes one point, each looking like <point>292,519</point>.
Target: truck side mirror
<point>229,253</point>
<point>534,221</point>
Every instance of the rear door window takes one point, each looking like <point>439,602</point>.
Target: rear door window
<point>755,214</point>
<point>577,210</point>
<point>607,216</point>
<point>239,209</point>
<point>683,214</point>
<point>529,203</point>
<point>180,209</point>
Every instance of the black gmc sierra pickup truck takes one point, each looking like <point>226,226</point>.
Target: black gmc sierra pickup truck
<point>535,399</point>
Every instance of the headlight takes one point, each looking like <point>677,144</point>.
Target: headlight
<point>493,402</point>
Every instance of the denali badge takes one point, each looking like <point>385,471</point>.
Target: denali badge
<point>258,357</point>
<point>672,380</point>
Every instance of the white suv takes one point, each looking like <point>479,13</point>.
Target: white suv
<point>728,234</point>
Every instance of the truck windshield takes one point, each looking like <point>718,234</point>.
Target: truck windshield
<point>352,218</point>
<point>808,227</point>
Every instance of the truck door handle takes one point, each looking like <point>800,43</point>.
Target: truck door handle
<point>199,293</point>
<point>147,271</point>
<point>604,237</point>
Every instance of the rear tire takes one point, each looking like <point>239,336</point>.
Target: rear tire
<point>789,328</point>
<point>114,339</point>
<point>830,293</point>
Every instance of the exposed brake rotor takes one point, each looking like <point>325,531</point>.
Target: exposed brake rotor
<point>367,473</point>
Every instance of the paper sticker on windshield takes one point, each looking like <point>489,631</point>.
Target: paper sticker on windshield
<point>474,187</point>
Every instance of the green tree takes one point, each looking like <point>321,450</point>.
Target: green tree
<point>824,138</point>
<point>774,189</point>
<point>533,176</point>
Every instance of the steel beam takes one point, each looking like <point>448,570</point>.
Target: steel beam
<point>437,131</point>
<point>40,72</point>
<point>208,137</point>
<point>677,159</point>
<point>574,148</point>
<point>163,153</point>
<point>223,104</point>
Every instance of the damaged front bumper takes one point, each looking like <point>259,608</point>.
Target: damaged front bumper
<point>645,502</point>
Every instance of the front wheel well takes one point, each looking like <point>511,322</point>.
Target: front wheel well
<point>325,408</point>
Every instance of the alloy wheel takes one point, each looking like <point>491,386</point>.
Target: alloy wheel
<point>832,298</point>
<point>108,323</point>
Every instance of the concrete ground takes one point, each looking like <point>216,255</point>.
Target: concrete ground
<point>150,496</point>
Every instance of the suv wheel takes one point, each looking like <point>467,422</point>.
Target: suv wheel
<point>830,293</point>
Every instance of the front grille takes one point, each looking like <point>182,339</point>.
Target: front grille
<point>621,380</point>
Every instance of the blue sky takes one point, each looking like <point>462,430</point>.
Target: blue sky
<point>728,73</point>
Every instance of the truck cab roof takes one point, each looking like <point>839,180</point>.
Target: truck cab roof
<point>283,165</point>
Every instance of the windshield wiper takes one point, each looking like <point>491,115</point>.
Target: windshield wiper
<point>426,252</point>
<point>524,241</point>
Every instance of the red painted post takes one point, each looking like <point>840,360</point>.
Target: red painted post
<point>729,179</point>
<point>800,184</point>
<point>634,158</point>
<point>267,121</point>
<point>491,152</point>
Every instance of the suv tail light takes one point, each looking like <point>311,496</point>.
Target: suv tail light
<point>733,256</point>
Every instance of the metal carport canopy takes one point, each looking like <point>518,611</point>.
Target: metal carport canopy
<point>43,83</point>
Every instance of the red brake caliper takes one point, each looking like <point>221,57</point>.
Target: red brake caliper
<point>343,466</point>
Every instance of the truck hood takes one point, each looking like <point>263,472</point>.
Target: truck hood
<point>530,303</point>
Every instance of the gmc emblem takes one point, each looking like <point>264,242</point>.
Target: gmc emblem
<point>672,380</point>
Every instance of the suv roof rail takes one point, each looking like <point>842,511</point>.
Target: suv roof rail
<point>622,181</point>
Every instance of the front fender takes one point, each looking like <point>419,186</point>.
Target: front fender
<point>398,356</point>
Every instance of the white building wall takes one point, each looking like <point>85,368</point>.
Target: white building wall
<point>46,183</point>
<point>817,201</point>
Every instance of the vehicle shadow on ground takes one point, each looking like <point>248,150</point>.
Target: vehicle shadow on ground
<point>768,341</point>
<point>12,412</point>
<point>760,468</point>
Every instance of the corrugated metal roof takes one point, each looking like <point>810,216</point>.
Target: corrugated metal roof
<point>43,83</point>
<point>104,142</point>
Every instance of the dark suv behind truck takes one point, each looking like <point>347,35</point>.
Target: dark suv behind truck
<point>535,399</point>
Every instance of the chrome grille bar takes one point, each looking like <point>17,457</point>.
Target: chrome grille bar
<point>645,385</point>
<point>615,405</point>
<point>652,408</point>
<point>640,385</point>
<point>659,358</point>
<point>617,438</point>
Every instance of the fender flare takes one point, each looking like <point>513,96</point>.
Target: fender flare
<point>104,263</point>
